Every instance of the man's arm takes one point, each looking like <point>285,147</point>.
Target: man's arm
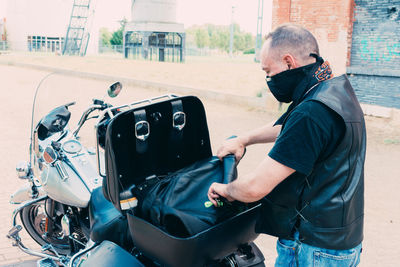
<point>265,134</point>
<point>255,185</point>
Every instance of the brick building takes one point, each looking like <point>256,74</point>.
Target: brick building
<point>358,37</point>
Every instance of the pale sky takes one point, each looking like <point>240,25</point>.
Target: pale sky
<point>189,12</point>
<point>219,12</point>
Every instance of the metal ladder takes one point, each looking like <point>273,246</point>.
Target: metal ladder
<point>78,33</point>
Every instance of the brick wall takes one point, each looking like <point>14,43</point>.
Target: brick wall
<point>328,20</point>
<point>375,55</point>
<point>377,90</point>
<point>358,37</point>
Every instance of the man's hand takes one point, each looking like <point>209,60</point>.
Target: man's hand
<point>216,191</point>
<point>233,146</point>
<point>253,186</point>
<point>236,146</point>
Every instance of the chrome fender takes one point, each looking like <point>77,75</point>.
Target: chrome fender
<point>24,193</point>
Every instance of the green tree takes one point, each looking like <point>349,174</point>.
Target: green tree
<point>201,38</point>
<point>105,36</point>
<point>213,34</point>
<point>223,40</point>
<point>218,37</point>
<point>249,40</point>
<point>117,36</point>
<point>238,43</point>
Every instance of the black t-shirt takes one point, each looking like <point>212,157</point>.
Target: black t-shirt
<point>311,133</point>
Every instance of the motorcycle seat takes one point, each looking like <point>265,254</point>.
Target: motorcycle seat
<point>109,254</point>
<point>106,222</point>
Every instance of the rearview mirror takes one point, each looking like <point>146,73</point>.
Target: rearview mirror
<point>114,89</point>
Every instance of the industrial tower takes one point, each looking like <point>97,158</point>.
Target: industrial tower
<point>153,33</point>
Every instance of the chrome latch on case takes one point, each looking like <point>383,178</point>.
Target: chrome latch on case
<point>142,130</point>
<point>179,120</point>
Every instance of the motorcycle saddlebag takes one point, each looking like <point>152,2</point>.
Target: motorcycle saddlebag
<point>155,140</point>
<point>152,141</point>
<point>212,244</point>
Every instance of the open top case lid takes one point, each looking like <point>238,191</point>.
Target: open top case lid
<point>153,140</point>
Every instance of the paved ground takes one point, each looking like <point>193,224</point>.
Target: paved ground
<point>241,76</point>
<point>382,166</point>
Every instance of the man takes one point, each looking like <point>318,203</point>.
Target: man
<point>311,184</point>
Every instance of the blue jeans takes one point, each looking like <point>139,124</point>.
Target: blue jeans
<point>293,253</point>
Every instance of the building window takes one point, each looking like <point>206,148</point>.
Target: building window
<point>45,44</point>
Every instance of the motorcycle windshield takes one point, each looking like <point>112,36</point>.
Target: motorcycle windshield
<point>59,104</point>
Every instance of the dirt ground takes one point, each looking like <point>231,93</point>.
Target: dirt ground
<point>382,168</point>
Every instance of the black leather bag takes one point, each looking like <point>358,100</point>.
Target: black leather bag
<point>176,203</point>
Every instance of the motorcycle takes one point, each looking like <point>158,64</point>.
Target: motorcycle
<point>61,174</point>
<point>63,208</point>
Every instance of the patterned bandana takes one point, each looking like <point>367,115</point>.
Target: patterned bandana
<point>324,72</point>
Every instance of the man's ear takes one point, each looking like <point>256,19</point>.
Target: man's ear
<point>289,60</point>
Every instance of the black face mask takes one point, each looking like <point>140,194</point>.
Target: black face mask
<point>283,85</point>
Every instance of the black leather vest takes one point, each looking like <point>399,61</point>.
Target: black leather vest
<point>326,207</point>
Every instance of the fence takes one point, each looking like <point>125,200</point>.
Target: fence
<point>3,46</point>
<point>137,51</point>
<point>194,51</point>
<point>47,46</point>
<point>110,49</point>
<point>104,49</point>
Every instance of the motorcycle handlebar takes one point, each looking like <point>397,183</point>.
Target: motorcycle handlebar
<point>86,114</point>
<point>70,104</point>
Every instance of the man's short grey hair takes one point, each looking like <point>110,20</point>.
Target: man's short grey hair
<point>293,39</point>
